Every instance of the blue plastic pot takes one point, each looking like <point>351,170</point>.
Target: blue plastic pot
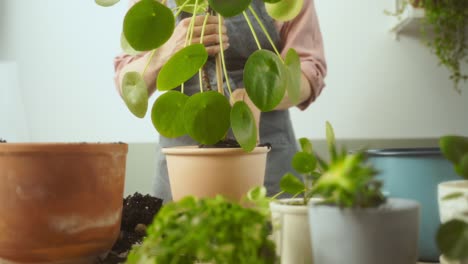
<point>414,174</point>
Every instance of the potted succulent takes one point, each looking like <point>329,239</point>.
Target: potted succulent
<point>208,230</point>
<point>369,227</point>
<point>289,215</point>
<point>207,116</point>
<point>452,236</point>
<point>444,28</point>
<point>60,202</point>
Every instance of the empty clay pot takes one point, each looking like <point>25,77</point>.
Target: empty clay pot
<point>60,203</point>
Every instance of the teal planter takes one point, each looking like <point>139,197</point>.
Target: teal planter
<point>414,174</point>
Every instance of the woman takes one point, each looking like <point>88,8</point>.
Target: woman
<point>302,33</point>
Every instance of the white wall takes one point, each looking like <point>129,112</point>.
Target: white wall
<point>376,86</point>
<point>13,126</point>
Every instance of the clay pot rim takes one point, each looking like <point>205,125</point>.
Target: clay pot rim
<point>196,151</point>
<point>64,147</point>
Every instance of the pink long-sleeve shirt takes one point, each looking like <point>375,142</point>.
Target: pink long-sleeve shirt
<point>302,33</point>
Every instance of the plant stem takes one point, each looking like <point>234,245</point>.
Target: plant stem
<point>252,30</point>
<point>181,7</point>
<point>192,22</point>
<point>265,32</point>
<point>200,78</point>
<point>223,62</point>
<point>148,62</point>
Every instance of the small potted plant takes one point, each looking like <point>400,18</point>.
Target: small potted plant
<point>355,223</point>
<point>207,116</point>
<point>289,215</point>
<point>208,230</point>
<point>452,236</point>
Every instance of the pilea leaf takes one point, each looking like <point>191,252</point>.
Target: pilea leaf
<point>243,126</point>
<point>284,10</point>
<point>190,5</point>
<point>135,93</point>
<point>293,64</point>
<point>126,48</point>
<point>207,117</point>
<point>168,114</point>
<point>148,25</point>
<point>182,66</point>
<point>454,147</point>
<point>229,8</point>
<point>290,184</point>
<point>306,145</point>
<point>304,162</point>
<point>106,3</point>
<point>265,79</point>
<point>452,239</point>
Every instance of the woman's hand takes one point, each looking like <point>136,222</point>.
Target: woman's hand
<point>241,95</point>
<point>210,38</point>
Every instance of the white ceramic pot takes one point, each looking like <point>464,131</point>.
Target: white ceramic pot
<point>387,234</point>
<point>453,208</point>
<point>291,231</point>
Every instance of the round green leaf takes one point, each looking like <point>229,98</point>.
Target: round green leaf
<point>243,126</point>
<point>189,5</point>
<point>452,239</point>
<point>306,145</point>
<point>304,162</point>
<point>265,79</point>
<point>284,10</point>
<point>207,116</point>
<point>148,25</point>
<point>293,64</point>
<point>126,48</point>
<point>462,167</point>
<point>291,184</point>
<point>454,147</point>
<point>182,66</point>
<point>106,3</point>
<point>229,8</point>
<point>135,93</point>
<point>168,114</point>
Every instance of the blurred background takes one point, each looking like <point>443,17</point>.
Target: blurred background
<point>56,77</point>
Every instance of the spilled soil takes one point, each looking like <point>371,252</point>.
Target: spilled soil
<point>138,213</point>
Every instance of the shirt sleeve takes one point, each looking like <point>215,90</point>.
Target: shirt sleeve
<point>304,35</point>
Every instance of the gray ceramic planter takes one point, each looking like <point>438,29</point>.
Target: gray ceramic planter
<point>414,173</point>
<point>384,235</point>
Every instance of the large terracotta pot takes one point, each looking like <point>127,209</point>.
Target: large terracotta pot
<point>59,203</point>
<point>207,172</point>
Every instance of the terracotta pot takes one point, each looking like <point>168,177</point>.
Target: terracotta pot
<point>207,172</point>
<point>59,203</point>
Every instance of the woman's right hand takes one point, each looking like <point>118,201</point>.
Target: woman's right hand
<point>210,38</point>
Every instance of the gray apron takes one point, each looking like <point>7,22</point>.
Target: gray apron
<point>275,126</point>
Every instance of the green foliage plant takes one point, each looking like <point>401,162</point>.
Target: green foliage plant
<point>345,181</point>
<point>208,230</point>
<point>452,236</point>
<point>445,30</point>
<point>206,116</point>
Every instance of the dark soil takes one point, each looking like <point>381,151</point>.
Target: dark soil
<point>230,143</point>
<point>2,140</point>
<point>138,213</point>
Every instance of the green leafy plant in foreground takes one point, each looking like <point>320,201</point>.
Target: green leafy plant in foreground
<point>452,236</point>
<point>209,230</point>
<point>346,180</point>
<point>206,116</point>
